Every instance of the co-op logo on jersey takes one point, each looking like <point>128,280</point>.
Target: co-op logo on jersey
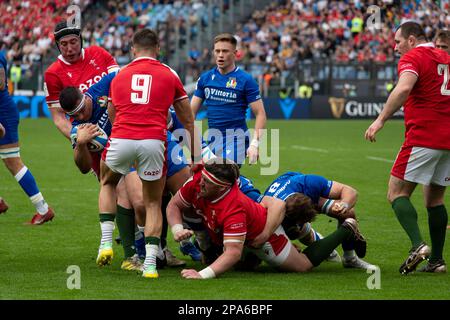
<point>219,94</point>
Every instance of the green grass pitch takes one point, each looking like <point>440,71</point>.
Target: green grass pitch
<point>34,260</point>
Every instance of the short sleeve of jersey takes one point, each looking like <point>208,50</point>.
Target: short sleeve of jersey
<point>52,88</point>
<point>252,90</point>
<point>410,62</point>
<point>247,188</point>
<point>187,191</point>
<point>235,227</point>
<point>111,64</point>
<point>317,186</point>
<point>199,88</point>
<point>101,88</point>
<point>180,93</point>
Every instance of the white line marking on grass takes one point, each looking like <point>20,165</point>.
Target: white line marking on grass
<point>380,159</point>
<point>309,149</point>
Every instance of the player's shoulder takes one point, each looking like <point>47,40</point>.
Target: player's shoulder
<point>208,74</point>
<point>54,68</point>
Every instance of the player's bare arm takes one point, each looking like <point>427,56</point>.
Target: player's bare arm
<point>395,101</point>
<point>231,255</point>
<point>196,103</point>
<point>185,115</point>
<point>82,155</point>
<point>276,209</point>
<point>175,220</point>
<point>111,113</point>
<point>344,197</point>
<point>260,123</point>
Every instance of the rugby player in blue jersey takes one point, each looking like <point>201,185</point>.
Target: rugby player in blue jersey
<point>314,193</point>
<point>227,91</point>
<point>10,152</point>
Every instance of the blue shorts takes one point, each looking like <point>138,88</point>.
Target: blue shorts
<point>232,148</point>
<point>176,161</point>
<point>9,118</point>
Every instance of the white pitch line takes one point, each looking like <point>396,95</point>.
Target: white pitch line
<point>309,149</point>
<point>380,159</point>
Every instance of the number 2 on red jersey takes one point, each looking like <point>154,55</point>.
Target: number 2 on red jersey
<point>443,70</point>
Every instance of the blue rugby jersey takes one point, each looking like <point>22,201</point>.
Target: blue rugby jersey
<point>311,185</point>
<point>5,99</point>
<point>227,97</point>
<point>99,93</point>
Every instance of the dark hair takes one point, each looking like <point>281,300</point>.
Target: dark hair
<point>223,169</point>
<point>226,37</point>
<point>300,208</point>
<point>443,35</point>
<point>411,28</point>
<point>145,39</point>
<point>69,97</point>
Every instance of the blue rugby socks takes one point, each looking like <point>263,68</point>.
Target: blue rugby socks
<point>28,184</point>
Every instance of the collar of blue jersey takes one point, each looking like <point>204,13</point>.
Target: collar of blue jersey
<point>78,108</point>
<point>236,68</point>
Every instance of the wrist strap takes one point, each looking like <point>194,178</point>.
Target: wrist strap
<point>207,273</point>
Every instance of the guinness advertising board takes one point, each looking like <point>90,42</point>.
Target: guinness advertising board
<point>329,107</point>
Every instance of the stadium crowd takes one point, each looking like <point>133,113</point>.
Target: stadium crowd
<point>276,37</point>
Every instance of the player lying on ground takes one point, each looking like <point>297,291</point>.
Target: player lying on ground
<point>234,220</point>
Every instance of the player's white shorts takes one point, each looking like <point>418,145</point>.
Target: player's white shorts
<point>275,250</point>
<point>148,156</point>
<point>423,165</point>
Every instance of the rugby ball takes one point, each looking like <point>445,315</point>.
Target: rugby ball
<point>96,144</point>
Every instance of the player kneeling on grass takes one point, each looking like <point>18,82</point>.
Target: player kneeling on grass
<point>234,220</point>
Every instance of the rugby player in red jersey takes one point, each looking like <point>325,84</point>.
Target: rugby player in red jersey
<point>424,158</point>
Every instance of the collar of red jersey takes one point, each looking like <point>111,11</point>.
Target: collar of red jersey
<point>60,57</point>
<point>142,58</point>
<point>222,196</point>
<point>428,44</point>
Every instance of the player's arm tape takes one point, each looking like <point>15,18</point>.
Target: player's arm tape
<point>207,273</point>
<point>177,227</point>
<point>326,208</point>
<point>255,143</point>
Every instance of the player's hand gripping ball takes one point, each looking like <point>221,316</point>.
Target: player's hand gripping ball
<point>96,144</point>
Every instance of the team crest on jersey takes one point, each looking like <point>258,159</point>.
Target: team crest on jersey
<point>102,101</point>
<point>231,83</point>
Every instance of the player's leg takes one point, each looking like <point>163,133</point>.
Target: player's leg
<point>134,192</point>
<point>434,194</point>
<point>107,212</point>
<point>152,192</point>
<point>10,154</point>
<point>437,223</point>
<point>413,165</point>
<point>126,224</point>
<point>150,159</point>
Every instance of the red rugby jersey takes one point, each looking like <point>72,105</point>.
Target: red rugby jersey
<point>95,62</point>
<point>142,93</point>
<point>232,217</point>
<point>427,109</point>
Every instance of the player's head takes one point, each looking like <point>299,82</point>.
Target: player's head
<point>442,40</point>
<point>145,43</point>
<point>218,175</point>
<point>69,41</point>
<point>225,51</point>
<point>408,36</point>
<point>300,209</point>
<point>76,104</point>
